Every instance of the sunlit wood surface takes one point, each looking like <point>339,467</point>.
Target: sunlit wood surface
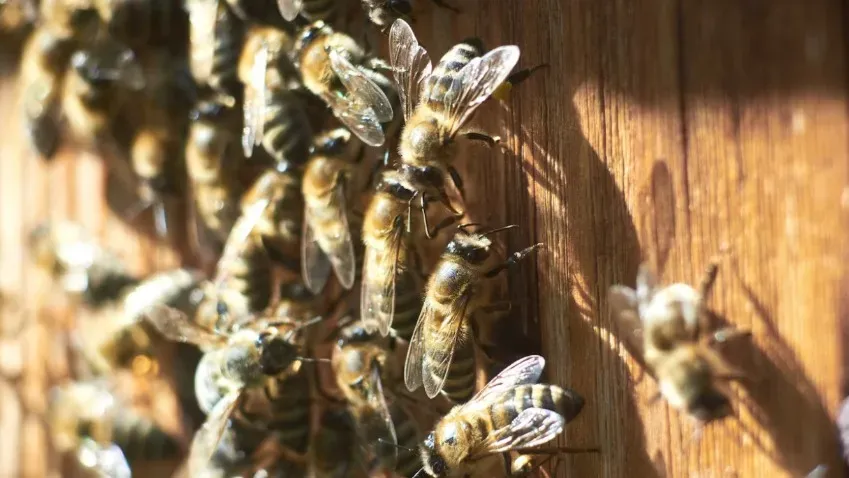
<point>662,130</point>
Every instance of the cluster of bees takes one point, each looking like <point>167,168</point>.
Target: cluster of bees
<point>318,174</point>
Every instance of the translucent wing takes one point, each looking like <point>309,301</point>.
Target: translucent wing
<point>646,283</point>
<point>380,270</point>
<point>175,325</point>
<point>244,225</point>
<point>382,431</point>
<point>290,8</point>
<point>342,257</point>
<point>359,119</point>
<point>202,17</point>
<point>410,64</point>
<point>435,367</point>
<point>476,82</point>
<point>106,461</point>
<point>524,371</point>
<point>623,306</point>
<point>361,89</point>
<point>315,266</point>
<point>533,427</point>
<point>254,103</point>
<point>206,439</point>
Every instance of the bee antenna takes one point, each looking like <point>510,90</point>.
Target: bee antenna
<point>386,442</point>
<point>313,360</point>
<point>499,229</point>
<point>418,472</point>
<point>468,224</point>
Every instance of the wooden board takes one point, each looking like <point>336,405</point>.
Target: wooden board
<point>662,130</point>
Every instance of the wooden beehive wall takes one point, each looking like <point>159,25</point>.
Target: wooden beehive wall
<point>662,130</point>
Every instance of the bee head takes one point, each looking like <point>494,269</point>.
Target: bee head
<point>710,405</point>
<point>276,353</point>
<point>402,7</point>
<point>109,63</point>
<point>434,464</point>
<point>311,33</point>
<point>472,247</point>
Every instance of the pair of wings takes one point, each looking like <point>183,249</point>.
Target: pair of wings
<point>203,15</point>
<point>624,304</point>
<point>533,426</point>
<point>316,263</point>
<point>379,287</point>
<point>419,368</point>
<point>207,438</point>
<point>471,86</point>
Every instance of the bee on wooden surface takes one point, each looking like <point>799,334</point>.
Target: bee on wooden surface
<point>86,418</point>
<point>211,155</point>
<point>327,240</point>
<point>275,113</point>
<point>392,276</point>
<point>251,374</point>
<point>96,86</point>
<point>79,264</point>
<point>511,413</point>
<point>338,70</point>
<point>438,102</point>
<point>441,355</point>
<point>676,341</point>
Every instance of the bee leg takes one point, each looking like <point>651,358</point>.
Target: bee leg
<point>446,5</point>
<point>431,233</point>
<point>512,260</point>
<point>709,278</point>
<point>458,181</point>
<point>522,75</point>
<point>727,334</point>
<point>491,141</point>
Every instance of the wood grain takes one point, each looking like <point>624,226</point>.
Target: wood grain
<point>661,130</point>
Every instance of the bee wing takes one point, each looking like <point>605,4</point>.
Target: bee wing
<point>524,371</point>
<point>373,292</point>
<point>207,438</point>
<point>176,325</point>
<point>289,9</point>
<point>315,266</point>
<point>383,437</point>
<point>360,87</point>
<point>410,64</point>
<point>254,103</point>
<point>359,119</point>
<point>533,427</point>
<point>419,369</point>
<point>476,82</point>
<point>622,301</point>
<point>343,259</point>
<point>202,17</point>
<point>107,461</point>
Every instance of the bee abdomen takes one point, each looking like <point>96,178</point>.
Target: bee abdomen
<point>229,37</point>
<point>287,133</point>
<point>140,439</point>
<point>460,383</point>
<point>290,408</point>
<point>408,302</point>
<point>408,438</point>
<point>442,78</point>
<point>314,10</point>
<point>549,397</point>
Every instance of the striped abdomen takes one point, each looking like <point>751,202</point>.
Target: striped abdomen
<point>290,409</point>
<point>140,439</point>
<point>439,82</point>
<point>229,38</point>
<point>314,10</point>
<point>408,289</point>
<point>459,383</point>
<point>408,438</point>
<point>287,134</point>
<point>248,273</point>
<point>550,397</point>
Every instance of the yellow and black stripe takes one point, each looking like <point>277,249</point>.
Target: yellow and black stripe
<point>440,82</point>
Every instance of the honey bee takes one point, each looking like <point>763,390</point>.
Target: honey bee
<point>336,69</point>
<point>332,451</point>
<point>438,102</point>
<point>275,114</point>
<point>211,149</point>
<point>97,84</point>
<point>251,374</point>
<point>312,10</point>
<point>82,267</point>
<point>278,229</point>
<point>441,355</point>
<point>392,277</point>
<point>87,419</point>
<point>327,237</point>
<point>511,413</point>
<point>676,341</point>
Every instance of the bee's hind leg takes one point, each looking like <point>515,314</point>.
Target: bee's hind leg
<point>491,141</point>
